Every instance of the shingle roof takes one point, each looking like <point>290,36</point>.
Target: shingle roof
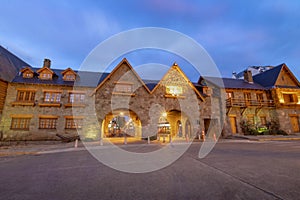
<point>85,79</point>
<point>269,77</point>
<point>230,83</point>
<point>10,64</point>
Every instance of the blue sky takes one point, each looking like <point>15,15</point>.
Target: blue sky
<point>236,34</point>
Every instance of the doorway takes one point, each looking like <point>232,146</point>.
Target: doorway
<point>233,124</point>
<point>295,123</point>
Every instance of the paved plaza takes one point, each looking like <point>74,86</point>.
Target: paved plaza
<point>234,169</point>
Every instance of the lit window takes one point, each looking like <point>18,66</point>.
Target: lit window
<point>229,95</point>
<point>174,90</point>
<point>20,123</point>
<point>48,123</point>
<point>290,98</point>
<point>53,97</point>
<point>27,75</point>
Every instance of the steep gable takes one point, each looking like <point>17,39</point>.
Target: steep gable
<point>124,74</point>
<point>45,73</point>
<point>27,72</point>
<point>69,75</point>
<point>286,78</point>
<point>279,76</point>
<point>176,83</point>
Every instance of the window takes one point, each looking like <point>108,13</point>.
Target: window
<point>20,123</point>
<point>259,97</point>
<point>290,98</point>
<point>73,123</point>
<point>27,75</point>
<point>229,95</point>
<point>48,123</point>
<point>247,96</point>
<point>46,76</point>
<point>250,119</point>
<point>76,98</point>
<point>263,120</point>
<point>123,88</point>
<point>174,90</point>
<point>24,95</point>
<point>69,77</point>
<point>52,97</point>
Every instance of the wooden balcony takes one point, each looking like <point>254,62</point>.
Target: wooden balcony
<point>232,102</point>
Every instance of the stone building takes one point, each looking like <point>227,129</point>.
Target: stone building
<point>44,102</point>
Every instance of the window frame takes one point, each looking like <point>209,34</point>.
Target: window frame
<point>48,122</point>
<point>22,123</point>
<point>73,122</point>
<point>54,96</point>
<point>27,93</point>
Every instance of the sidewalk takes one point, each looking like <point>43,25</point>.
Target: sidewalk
<point>267,137</point>
<point>42,147</point>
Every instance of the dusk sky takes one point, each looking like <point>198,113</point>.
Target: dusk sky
<point>236,34</point>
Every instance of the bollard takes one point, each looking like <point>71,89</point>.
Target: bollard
<point>148,140</point>
<point>187,138</point>
<point>101,141</point>
<point>215,138</point>
<point>125,139</point>
<point>76,143</point>
<point>203,136</point>
<point>170,139</point>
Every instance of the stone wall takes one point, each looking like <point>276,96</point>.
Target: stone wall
<point>147,105</point>
<point>34,133</point>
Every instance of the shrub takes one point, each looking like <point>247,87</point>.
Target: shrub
<point>248,128</point>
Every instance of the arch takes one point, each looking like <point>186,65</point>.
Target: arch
<point>120,122</point>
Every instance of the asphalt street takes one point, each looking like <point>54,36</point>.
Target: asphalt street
<point>233,170</point>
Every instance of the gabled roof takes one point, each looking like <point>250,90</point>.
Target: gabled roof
<point>176,67</point>
<point>45,68</point>
<point>124,61</point>
<point>67,70</point>
<point>10,64</point>
<point>230,83</point>
<point>26,69</point>
<point>269,78</point>
<point>87,79</point>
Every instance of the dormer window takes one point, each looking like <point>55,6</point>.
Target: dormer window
<point>46,76</point>
<point>45,73</point>
<point>27,72</point>
<point>27,75</point>
<point>69,75</point>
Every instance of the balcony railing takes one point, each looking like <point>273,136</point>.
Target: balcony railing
<point>232,102</point>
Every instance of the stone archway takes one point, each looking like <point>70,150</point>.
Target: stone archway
<point>120,122</point>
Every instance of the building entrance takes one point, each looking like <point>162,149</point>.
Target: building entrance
<point>121,123</point>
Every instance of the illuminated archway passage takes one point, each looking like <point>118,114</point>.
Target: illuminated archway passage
<point>120,123</point>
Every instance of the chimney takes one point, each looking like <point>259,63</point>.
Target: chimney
<point>248,76</point>
<point>47,62</point>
